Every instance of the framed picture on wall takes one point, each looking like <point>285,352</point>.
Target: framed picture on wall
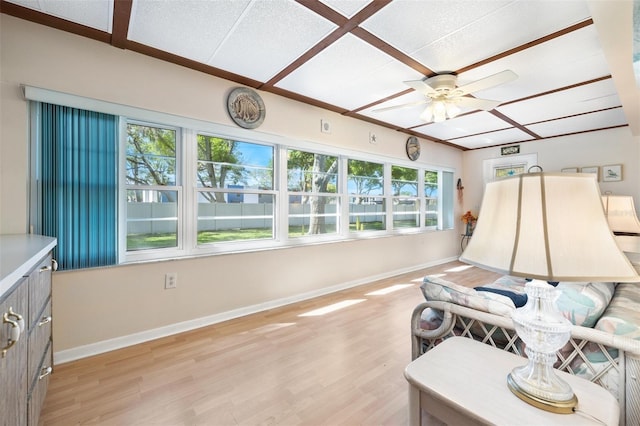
<point>569,170</point>
<point>592,169</point>
<point>612,173</point>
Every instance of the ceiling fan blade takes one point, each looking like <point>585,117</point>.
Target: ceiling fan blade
<point>410,104</point>
<point>475,103</point>
<point>487,82</point>
<point>420,86</point>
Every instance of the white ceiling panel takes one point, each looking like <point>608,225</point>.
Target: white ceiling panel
<point>356,72</point>
<point>580,123</point>
<point>480,122</point>
<point>161,24</point>
<point>591,97</point>
<point>501,137</point>
<point>412,26</point>
<point>446,36</point>
<point>96,14</point>
<point>252,41</point>
<point>270,36</point>
<point>561,62</point>
<point>346,8</point>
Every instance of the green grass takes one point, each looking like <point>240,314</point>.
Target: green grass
<point>154,241</point>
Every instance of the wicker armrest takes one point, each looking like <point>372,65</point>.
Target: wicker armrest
<point>620,356</point>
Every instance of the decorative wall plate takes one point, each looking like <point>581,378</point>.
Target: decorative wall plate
<point>413,148</point>
<point>245,107</point>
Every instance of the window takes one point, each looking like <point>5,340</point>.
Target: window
<point>365,183</point>
<point>406,204</point>
<point>185,188</point>
<point>431,198</point>
<point>234,192</point>
<point>312,182</point>
<point>153,197</point>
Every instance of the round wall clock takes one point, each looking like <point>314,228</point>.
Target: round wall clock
<point>245,107</point>
<point>413,148</point>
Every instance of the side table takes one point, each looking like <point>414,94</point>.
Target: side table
<point>464,382</point>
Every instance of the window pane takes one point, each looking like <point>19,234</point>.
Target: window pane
<point>311,172</point>
<point>366,214</point>
<point>152,219</point>
<point>448,189</point>
<point>507,171</point>
<point>365,178</point>
<point>367,207</point>
<point>223,163</point>
<point>313,214</point>
<point>431,198</point>
<point>404,181</point>
<point>234,216</point>
<point>406,213</point>
<point>151,155</point>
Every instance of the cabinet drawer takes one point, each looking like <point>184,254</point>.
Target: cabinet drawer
<point>39,391</point>
<point>39,289</point>
<point>39,339</point>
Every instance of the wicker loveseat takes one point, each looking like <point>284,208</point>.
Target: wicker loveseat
<point>603,347</point>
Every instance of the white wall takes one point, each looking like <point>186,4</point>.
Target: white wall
<point>99,309</point>
<point>614,146</point>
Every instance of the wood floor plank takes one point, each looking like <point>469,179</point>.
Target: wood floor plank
<point>270,368</point>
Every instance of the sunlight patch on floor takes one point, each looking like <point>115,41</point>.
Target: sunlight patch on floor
<point>389,289</point>
<point>331,308</point>
<point>459,268</point>
<point>437,275</point>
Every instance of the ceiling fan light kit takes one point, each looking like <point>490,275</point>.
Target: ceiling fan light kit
<point>444,99</point>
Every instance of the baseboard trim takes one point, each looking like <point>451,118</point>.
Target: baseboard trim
<point>73,354</point>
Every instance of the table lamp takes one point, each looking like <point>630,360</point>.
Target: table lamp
<point>621,214</point>
<point>548,228</point>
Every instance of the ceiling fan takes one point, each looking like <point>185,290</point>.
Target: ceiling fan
<point>444,98</point>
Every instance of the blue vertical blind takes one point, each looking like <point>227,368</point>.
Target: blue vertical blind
<point>79,171</point>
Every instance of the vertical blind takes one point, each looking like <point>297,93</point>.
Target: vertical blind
<point>79,172</point>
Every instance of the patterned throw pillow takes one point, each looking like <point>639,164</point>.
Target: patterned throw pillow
<point>622,317</point>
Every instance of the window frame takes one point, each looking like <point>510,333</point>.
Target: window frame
<point>186,157</point>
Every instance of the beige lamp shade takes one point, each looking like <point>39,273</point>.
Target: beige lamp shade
<point>621,213</point>
<point>547,226</point>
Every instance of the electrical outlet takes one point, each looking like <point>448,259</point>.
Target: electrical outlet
<point>171,280</point>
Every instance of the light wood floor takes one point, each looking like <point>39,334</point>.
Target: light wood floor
<point>271,368</point>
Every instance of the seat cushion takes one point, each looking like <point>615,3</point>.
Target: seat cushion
<point>435,288</point>
<point>582,303</point>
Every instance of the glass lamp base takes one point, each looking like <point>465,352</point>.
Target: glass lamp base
<point>560,407</point>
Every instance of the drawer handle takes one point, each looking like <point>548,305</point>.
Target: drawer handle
<point>45,372</point>
<point>14,333</point>
<point>17,318</point>
<point>46,268</point>
<point>44,320</point>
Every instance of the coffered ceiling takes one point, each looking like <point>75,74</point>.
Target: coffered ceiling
<point>352,56</point>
